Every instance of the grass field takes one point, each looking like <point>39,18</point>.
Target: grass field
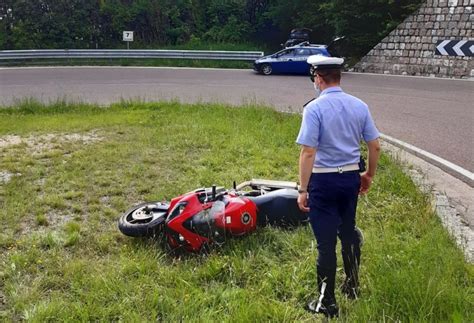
<point>68,171</point>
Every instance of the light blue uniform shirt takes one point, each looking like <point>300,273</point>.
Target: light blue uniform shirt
<point>334,124</point>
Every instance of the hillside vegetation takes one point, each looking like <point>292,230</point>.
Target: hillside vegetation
<point>159,23</point>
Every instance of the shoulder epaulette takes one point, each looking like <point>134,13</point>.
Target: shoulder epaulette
<point>309,102</point>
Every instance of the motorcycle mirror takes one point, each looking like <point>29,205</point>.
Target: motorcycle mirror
<point>234,185</point>
<point>213,192</point>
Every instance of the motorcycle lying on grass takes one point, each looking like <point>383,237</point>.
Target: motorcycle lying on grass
<point>195,220</point>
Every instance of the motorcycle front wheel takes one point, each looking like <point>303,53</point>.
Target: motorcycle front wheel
<point>143,220</point>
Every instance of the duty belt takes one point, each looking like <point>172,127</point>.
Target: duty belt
<point>342,169</point>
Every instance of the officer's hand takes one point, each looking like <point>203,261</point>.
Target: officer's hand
<point>303,202</point>
<point>365,182</point>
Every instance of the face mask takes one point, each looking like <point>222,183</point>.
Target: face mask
<point>316,88</point>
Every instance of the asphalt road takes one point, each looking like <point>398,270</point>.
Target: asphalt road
<point>436,115</point>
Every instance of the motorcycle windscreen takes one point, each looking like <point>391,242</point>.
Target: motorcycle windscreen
<point>209,223</point>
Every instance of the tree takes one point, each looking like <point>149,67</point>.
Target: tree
<point>99,23</point>
<point>365,22</point>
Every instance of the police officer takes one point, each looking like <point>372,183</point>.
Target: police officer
<point>333,125</point>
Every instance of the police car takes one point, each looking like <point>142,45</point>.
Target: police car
<point>289,60</point>
<point>292,60</point>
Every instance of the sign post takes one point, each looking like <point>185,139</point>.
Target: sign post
<point>128,37</point>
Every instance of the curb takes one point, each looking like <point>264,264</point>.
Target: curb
<point>450,168</point>
<point>469,79</point>
<point>450,197</point>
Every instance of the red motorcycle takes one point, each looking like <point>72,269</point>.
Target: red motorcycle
<point>204,216</point>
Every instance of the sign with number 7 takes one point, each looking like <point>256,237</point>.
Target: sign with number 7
<point>128,36</point>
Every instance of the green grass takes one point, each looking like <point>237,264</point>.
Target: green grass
<point>63,258</point>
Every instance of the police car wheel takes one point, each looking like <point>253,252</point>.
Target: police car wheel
<point>311,70</point>
<point>266,69</point>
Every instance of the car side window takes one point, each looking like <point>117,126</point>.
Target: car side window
<point>287,53</point>
<point>303,52</point>
<point>316,52</point>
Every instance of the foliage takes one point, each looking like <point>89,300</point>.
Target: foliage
<point>62,257</point>
<point>99,23</point>
<point>365,22</point>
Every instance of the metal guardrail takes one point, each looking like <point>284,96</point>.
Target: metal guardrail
<point>132,53</point>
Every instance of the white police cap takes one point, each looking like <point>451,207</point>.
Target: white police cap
<point>321,62</point>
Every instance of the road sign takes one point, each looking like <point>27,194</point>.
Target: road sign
<point>455,48</point>
<point>128,36</point>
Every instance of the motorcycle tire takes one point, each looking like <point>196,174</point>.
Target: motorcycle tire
<point>144,227</point>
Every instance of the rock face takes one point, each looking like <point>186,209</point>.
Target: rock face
<point>410,48</point>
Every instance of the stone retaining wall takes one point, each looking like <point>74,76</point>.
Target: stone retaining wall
<point>410,48</point>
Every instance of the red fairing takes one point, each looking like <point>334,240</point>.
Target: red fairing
<point>191,206</point>
<point>176,200</point>
<point>191,223</point>
<point>240,216</point>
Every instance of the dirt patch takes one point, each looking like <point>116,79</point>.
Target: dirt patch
<point>105,201</point>
<point>58,219</point>
<point>54,220</point>
<point>42,143</point>
<point>5,176</point>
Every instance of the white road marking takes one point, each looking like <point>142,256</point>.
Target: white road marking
<point>453,169</point>
<point>411,76</point>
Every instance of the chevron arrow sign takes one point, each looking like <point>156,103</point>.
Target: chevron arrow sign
<point>455,47</point>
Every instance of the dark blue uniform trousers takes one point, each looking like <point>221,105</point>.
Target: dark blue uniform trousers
<point>333,203</point>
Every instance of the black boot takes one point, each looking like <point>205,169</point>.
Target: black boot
<point>330,310</point>
<point>350,288</point>
<point>326,303</point>
<point>351,258</point>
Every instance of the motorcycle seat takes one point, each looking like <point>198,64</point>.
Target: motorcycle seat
<point>279,208</point>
